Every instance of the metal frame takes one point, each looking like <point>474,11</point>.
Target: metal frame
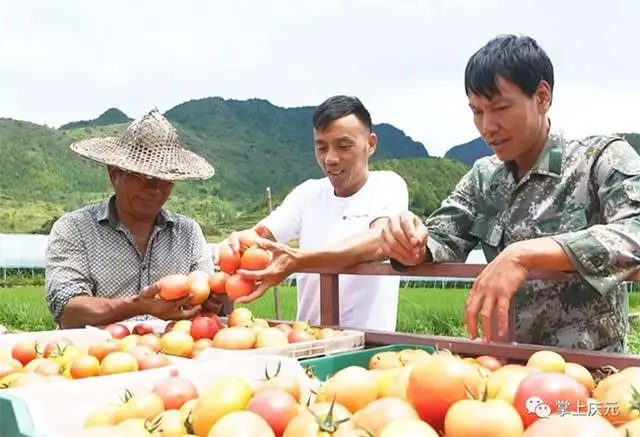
<point>502,347</point>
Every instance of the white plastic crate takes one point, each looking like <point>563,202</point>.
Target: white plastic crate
<point>348,342</point>
<point>49,405</point>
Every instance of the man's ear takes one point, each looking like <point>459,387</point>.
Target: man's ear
<point>372,143</point>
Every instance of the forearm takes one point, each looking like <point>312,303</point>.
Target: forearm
<point>364,247</point>
<point>97,311</point>
<point>542,253</point>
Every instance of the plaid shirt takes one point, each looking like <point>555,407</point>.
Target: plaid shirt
<point>90,253</point>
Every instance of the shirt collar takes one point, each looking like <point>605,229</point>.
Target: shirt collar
<point>107,213</point>
<point>551,158</point>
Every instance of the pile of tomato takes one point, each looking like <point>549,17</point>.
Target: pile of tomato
<point>410,393</point>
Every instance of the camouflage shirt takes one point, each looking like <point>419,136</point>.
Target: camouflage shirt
<point>583,194</point>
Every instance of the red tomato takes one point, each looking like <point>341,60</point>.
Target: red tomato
<point>549,392</point>
<point>474,417</point>
<point>217,282</point>
<point>255,258</point>
<point>275,406</point>
<point>173,287</point>
<point>437,383</point>
<point>204,327</point>
<point>25,351</point>
<point>238,286</point>
<point>228,260</point>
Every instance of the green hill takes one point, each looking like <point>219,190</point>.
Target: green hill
<point>252,144</point>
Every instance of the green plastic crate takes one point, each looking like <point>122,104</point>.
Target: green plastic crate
<point>14,417</point>
<point>324,367</point>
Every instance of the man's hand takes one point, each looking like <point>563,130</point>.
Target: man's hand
<point>213,304</point>
<point>178,309</point>
<point>492,291</point>
<point>284,261</point>
<point>404,238</point>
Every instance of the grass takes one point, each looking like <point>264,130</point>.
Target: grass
<point>433,311</point>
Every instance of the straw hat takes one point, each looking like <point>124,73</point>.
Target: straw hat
<point>149,146</point>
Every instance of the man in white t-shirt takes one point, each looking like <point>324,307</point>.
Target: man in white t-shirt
<point>338,220</point>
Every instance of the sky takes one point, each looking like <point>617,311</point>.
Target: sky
<point>66,60</point>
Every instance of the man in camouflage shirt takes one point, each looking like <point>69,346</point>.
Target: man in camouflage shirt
<point>541,202</point>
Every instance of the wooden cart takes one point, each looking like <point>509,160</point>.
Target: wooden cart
<point>505,348</point>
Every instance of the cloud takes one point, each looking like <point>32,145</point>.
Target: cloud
<point>70,60</point>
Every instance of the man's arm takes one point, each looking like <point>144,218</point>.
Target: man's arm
<point>392,197</point>
<point>604,255</point>
<point>449,226</point>
<point>68,287</point>
<point>363,247</point>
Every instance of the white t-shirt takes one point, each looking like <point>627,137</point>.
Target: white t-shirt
<point>315,215</point>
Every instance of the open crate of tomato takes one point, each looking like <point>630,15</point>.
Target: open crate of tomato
<point>209,337</point>
<point>28,358</point>
<point>185,400</point>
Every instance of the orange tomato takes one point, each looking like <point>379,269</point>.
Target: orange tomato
<point>174,287</point>
<point>84,366</point>
<point>248,238</point>
<point>255,258</point>
<point>218,281</point>
<point>228,260</point>
<point>199,285</point>
<point>238,286</point>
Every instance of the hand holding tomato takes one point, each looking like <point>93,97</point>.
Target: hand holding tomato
<point>283,263</point>
<point>149,303</point>
<point>214,303</point>
<point>404,238</point>
<point>492,291</point>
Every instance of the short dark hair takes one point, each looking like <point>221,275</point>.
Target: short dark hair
<point>518,59</point>
<point>337,107</point>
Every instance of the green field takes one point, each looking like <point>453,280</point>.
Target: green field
<point>435,311</point>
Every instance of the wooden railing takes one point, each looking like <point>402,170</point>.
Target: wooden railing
<point>504,346</point>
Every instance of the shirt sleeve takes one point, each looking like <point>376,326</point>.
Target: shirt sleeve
<point>66,267</point>
<point>202,255</point>
<point>391,198</point>
<point>285,221</point>
<point>449,226</point>
<point>606,254</point>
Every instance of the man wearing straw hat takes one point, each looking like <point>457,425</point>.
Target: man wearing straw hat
<point>103,260</point>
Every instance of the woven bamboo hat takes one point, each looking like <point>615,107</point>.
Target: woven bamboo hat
<point>149,146</point>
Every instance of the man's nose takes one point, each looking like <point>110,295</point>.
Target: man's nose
<point>489,125</point>
<point>331,157</point>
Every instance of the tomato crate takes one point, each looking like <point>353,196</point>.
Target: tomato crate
<point>44,410</point>
<point>323,367</point>
<point>350,340</point>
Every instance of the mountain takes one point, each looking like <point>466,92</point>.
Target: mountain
<point>108,117</point>
<point>469,152</point>
<point>252,144</point>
